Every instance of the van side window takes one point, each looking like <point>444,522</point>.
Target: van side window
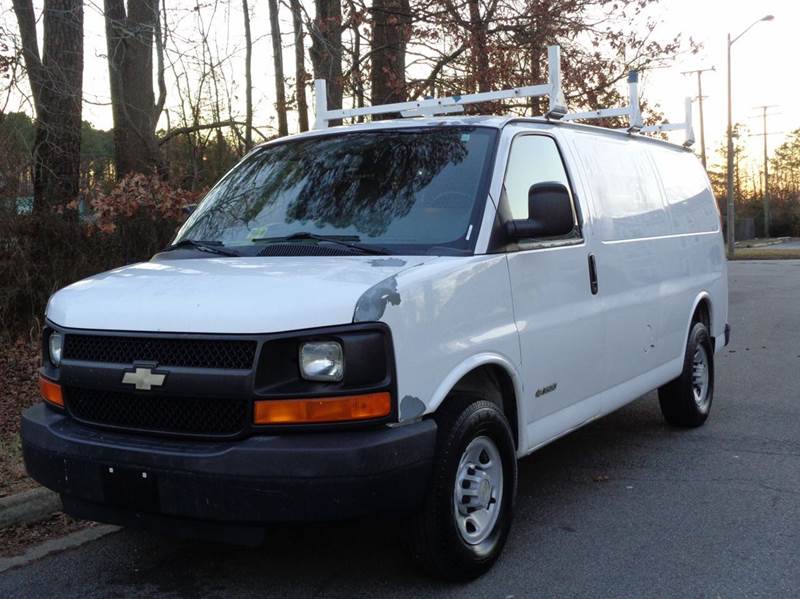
<point>533,159</point>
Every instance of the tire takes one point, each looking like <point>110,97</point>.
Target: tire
<point>448,541</point>
<point>686,401</point>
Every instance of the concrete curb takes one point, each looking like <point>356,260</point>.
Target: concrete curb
<point>28,506</point>
<point>72,540</point>
<point>760,242</point>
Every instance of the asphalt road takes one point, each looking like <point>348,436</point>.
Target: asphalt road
<point>712,512</point>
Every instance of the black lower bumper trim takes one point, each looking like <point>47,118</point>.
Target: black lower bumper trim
<point>125,479</point>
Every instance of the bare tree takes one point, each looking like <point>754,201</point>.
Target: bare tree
<point>299,65</point>
<point>354,21</point>
<point>391,29</point>
<point>248,78</point>
<point>277,58</point>
<point>56,81</point>
<point>129,37</point>
<point>326,49</point>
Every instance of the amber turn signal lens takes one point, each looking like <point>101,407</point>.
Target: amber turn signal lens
<point>51,392</point>
<point>328,409</point>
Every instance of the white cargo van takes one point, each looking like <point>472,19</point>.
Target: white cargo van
<point>382,318</point>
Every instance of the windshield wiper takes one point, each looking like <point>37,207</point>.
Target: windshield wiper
<point>212,247</point>
<point>345,240</point>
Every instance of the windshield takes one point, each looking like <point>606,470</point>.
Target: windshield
<point>403,190</point>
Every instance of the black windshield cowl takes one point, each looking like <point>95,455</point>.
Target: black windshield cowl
<point>210,247</point>
<point>349,241</point>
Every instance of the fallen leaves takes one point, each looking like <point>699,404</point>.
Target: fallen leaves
<point>19,364</point>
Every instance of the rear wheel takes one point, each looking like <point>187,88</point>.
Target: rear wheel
<point>467,515</point>
<point>686,400</point>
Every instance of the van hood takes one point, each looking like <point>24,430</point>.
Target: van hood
<point>226,295</point>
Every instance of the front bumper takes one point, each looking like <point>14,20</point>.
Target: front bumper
<point>227,489</point>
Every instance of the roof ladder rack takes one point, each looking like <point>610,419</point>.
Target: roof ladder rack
<point>557,108</point>
<point>433,106</point>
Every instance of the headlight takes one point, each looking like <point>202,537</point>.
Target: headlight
<point>56,344</point>
<point>322,361</point>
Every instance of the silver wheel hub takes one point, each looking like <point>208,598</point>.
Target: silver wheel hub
<point>700,376</point>
<point>478,491</point>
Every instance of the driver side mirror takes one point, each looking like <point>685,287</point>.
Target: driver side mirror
<point>549,213</point>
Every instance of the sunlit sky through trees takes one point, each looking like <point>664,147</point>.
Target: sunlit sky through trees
<point>765,69</point>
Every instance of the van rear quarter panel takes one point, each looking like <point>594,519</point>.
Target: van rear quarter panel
<point>696,265</point>
<point>660,247</point>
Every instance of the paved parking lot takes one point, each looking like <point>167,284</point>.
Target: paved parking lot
<point>625,507</point>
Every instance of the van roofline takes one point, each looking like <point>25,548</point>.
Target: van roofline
<point>491,121</point>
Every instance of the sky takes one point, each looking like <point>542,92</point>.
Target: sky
<point>764,69</point>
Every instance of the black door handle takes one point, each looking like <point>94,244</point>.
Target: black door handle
<point>592,274</point>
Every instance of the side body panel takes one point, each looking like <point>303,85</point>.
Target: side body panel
<point>660,252</point>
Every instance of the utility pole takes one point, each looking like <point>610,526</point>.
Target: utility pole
<point>765,196</point>
<point>699,73</point>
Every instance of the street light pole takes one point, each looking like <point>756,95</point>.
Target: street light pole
<point>730,211</point>
<point>730,221</point>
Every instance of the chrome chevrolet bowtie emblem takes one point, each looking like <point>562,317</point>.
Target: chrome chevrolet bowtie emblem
<point>144,379</point>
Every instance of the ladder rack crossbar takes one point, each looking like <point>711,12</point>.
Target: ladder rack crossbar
<point>518,92</point>
<point>597,114</point>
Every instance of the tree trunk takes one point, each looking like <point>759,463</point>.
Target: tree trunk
<point>356,77</point>
<point>391,30</point>
<point>129,38</point>
<point>248,80</point>
<point>299,66</point>
<point>277,57</point>
<point>326,49</point>
<point>57,84</point>
<point>480,58</point>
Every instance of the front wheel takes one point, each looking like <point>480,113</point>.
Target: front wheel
<point>467,514</point>
<point>686,400</point>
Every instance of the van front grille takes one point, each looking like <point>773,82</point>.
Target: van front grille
<point>157,413</point>
<point>180,352</point>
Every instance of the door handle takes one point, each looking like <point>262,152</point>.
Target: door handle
<point>592,274</point>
